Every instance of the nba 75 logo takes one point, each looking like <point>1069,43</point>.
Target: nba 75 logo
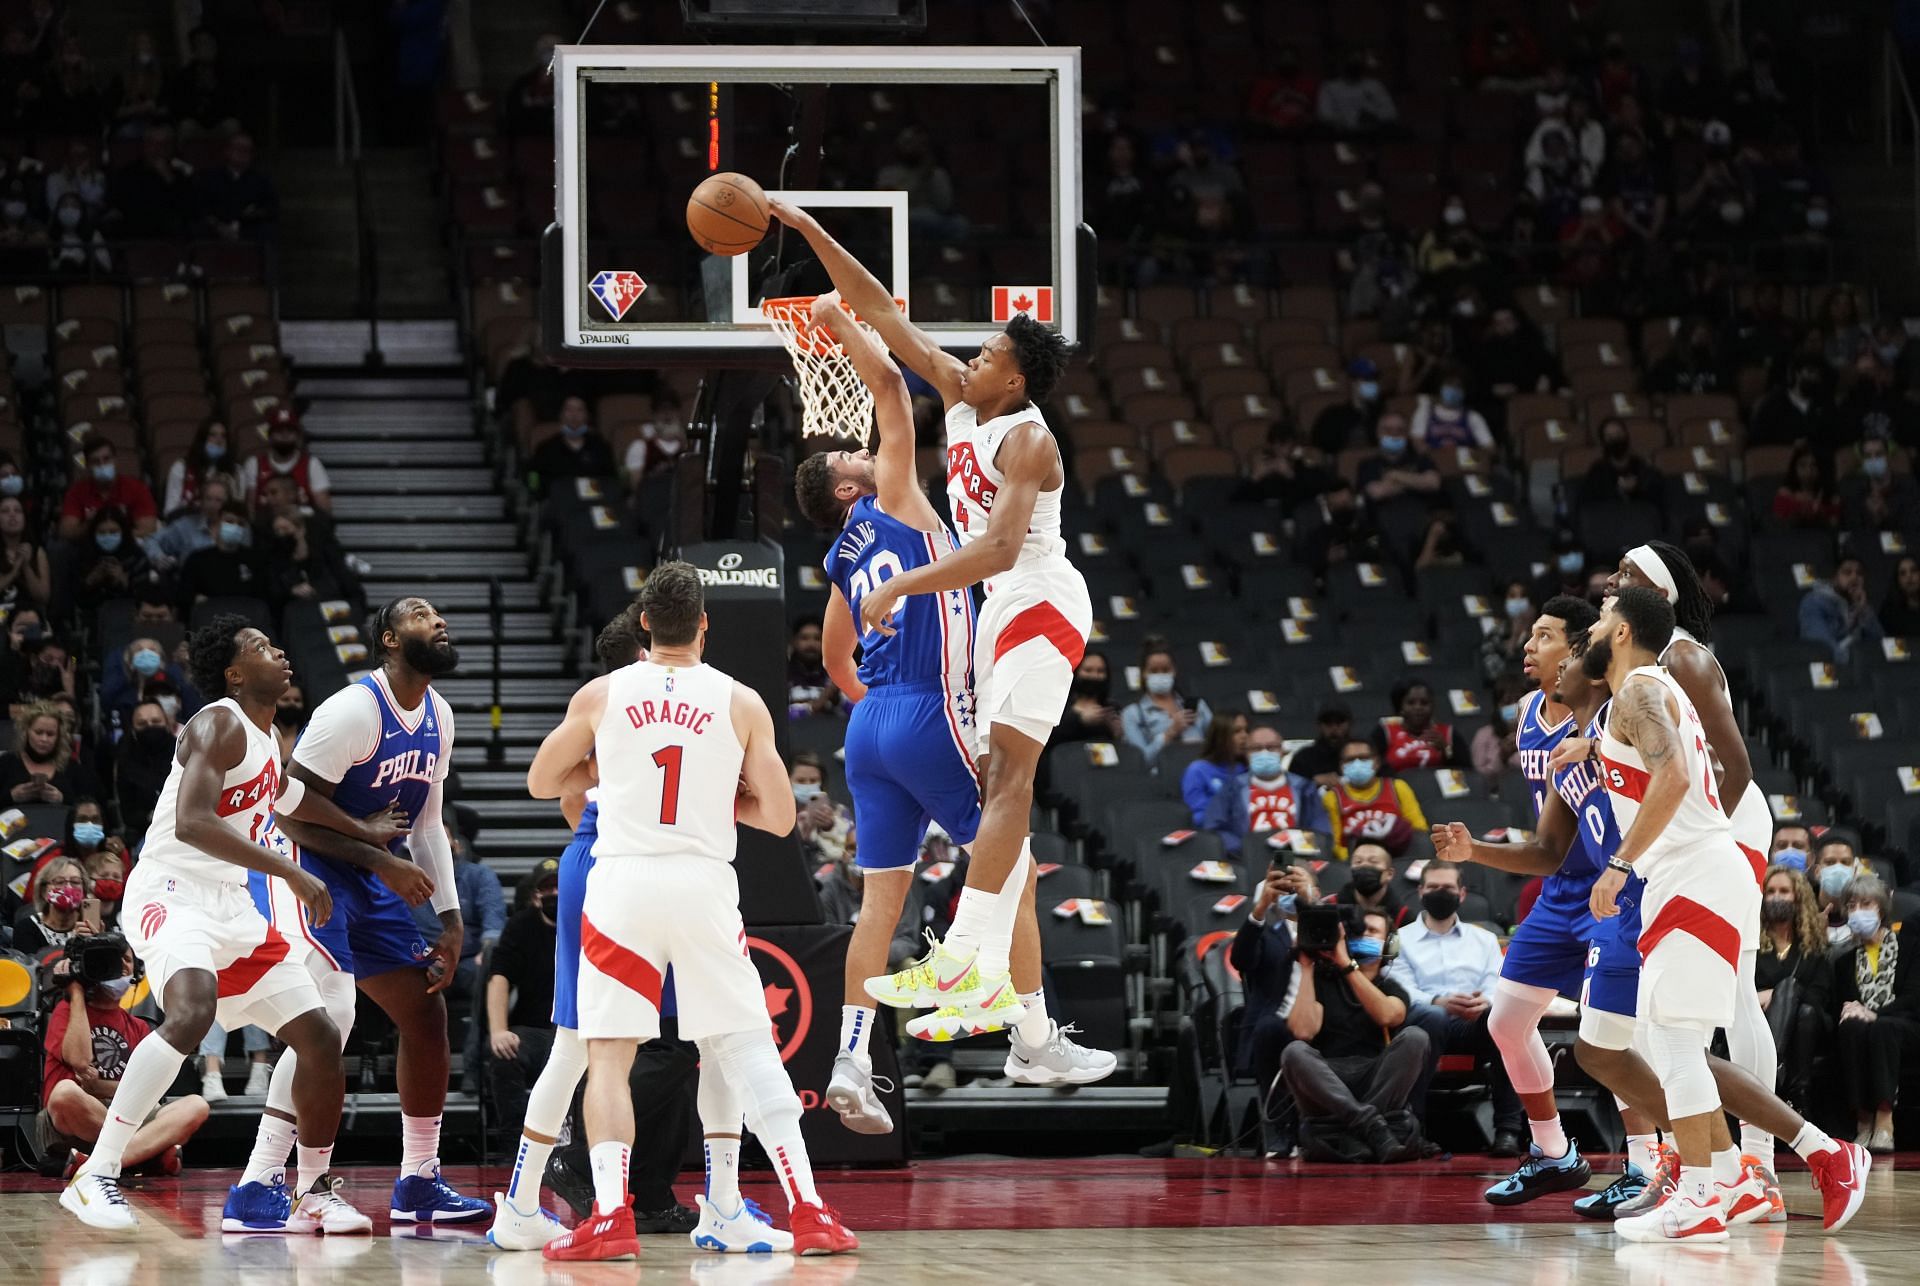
<point>617,290</point>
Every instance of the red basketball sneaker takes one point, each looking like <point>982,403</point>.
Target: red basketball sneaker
<point>1841,1178</point>
<point>598,1237</point>
<point>817,1230</point>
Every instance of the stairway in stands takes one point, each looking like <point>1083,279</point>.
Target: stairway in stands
<point>418,498</point>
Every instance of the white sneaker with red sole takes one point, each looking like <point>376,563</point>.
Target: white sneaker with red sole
<point>1681,1218</point>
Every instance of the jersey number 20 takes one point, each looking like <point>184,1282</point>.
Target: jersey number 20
<point>880,569</point>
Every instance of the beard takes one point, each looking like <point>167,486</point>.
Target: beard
<point>430,659</point>
<point>1598,658</point>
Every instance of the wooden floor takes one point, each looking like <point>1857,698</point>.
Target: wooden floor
<point>1097,1222</point>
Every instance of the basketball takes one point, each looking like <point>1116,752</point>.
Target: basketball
<point>727,214</point>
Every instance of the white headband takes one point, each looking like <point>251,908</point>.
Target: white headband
<point>1656,570</point>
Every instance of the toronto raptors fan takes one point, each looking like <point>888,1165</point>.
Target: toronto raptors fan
<point>1005,480</point>
<point>682,753</point>
<point>1265,798</point>
<point>209,950</point>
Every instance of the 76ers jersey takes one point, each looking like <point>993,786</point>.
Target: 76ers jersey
<point>1595,836</point>
<point>1536,742</point>
<point>377,752</point>
<point>245,805</point>
<point>669,764</point>
<point>933,633</point>
<point>974,480</point>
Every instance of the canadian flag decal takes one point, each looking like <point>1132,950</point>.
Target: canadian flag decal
<point>1035,301</point>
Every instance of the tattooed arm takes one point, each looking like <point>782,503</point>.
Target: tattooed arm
<point>1643,717</point>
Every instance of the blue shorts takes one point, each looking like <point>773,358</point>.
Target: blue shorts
<point>372,930</point>
<point>1612,984</point>
<point>1549,949</point>
<point>575,863</point>
<point>906,764</point>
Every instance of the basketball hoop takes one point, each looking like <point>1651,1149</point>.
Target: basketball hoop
<point>834,400</point>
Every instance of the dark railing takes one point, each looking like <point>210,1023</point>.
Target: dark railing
<point>347,151</point>
<point>496,626</point>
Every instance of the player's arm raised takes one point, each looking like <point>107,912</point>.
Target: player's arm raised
<point>766,799</point>
<point>838,634</point>
<point>1027,459</point>
<point>213,745</point>
<point>1699,677</point>
<point>554,771</point>
<point>874,303</point>
<point>1542,855</point>
<point>895,477</point>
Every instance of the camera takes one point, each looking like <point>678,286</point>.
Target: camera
<point>1318,928</point>
<point>96,958</point>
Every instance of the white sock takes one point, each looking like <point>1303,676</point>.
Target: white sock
<point>795,1170</point>
<point>723,1172</point>
<point>1726,1166</point>
<point>529,1165</point>
<point>1552,1140</point>
<point>1036,1027</point>
<point>313,1164</point>
<point>856,1030</point>
<point>1696,1184</point>
<point>1757,1143</point>
<point>972,921</point>
<point>1812,1140</point>
<point>150,1071</point>
<point>996,945</point>
<point>609,1162</point>
<point>1640,1152</point>
<point>271,1143</point>
<point>419,1145</point>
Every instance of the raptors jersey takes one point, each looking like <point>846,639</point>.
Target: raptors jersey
<point>1752,819</point>
<point>1699,824</point>
<point>245,805</point>
<point>974,479</point>
<point>669,763</point>
<point>933,633</point>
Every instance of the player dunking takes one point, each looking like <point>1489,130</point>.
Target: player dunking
<point>682,752</point>
<point>208,950</point>
<point>386,739</point>
<point>1005,479</point>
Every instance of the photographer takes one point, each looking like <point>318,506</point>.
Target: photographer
<point>89,1039</point>
<point>1263,954</point>
<point>1353,1059</point>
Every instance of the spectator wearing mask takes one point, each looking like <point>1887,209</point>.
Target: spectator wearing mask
<point>1692,366</point>
<point>297,570</point>
<point>102,854</point>
<point>1347,423</point>
<point>144,667</point>
<point>58,910</point>
<point>142,760</point>
<point>80,177</point>
<point>1319,760</point>
<point>210,457</point>
<point>1495,746</point>
<point>1795,413</point>
<point>1162,716</point>
<point>1794,978</point>
<point>40,769</point>
<point>101,487</point>
<point>1377,259</point>
<point>1836,612</point>
<point>656,446</point>
<point>48,675</point>
<point>1566,569</point>
<point>1557,180</point>
<point>1263,955</point>
<point>1877,987</point>
<point>26,578</point>
<point>1365,810</point>
<point>1876,498</point>
<point>1637,201</point>
<point>75,243</point>
<point>1264,798</point>
<point>810,689</point>
<point>1089,715</point>
<point>1447,422</point>
<point>1409,739</point>
<point>824,827</point>
<point>1336,530</point>
<point>1620,473</point>
<point>289,718</point>
<point>1448,970</point>
<point>1900,613</point>
<point>1806,498</point>
<point>1503,650</point>
<point>287,456</point>
<point>1831,870</point>
<point>1716,204</point>
<point>171,546</point>
<point>25,631</point>
<point>1396,469</point>
<point>139,90</point>
<point>1372,887</point>
<point>1450,252</point>
<point>88,1041</point>
<point>1355,100</point>
<point>111,562</point>
<point>229,568</point>
<point>1222,759</point>
<point>1353,1058</point>
<point>578,450</point>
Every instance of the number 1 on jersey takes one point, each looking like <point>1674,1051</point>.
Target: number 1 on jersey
<point>667,759</point>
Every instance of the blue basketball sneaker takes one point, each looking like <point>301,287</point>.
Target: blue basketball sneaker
<point>1601,1205</point>
<point>427,1198</point>
<point>746,1232</point>
<point>258,1207</point>
<point>1540,1174</point>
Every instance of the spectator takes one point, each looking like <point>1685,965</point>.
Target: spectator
<point>1335,530</point>
<point>1621,474</point>
<point>824,827</point>
<point>1222,760</point>
<point>1585,136</point>
<point>138,110</point>
<point>201,101</point>
<point>1163,715</point>
<point>1835,611</point>
<point>1845,337</point>
<point>278,497</point>
<point>58,910</point>
<point>1353,1058</point>
<point>1396,469</point>
<point>101,852</point>
<point>1759,98</point>
<point>195,530</point>
<point>578,451</point>
<point>1090,715</point>
<point>1262,952</point>
<point>40,769</point>
<point>1367,811</point>
<point>237,201</point>
<point>1319,760</point>
<point>1830,872</point>
<point>141,763</point>
<point>229,568</point>
<point>1692,94</point>
<point>1504,56</point>
<point>483,909</point>
<point>26,628</point>
<point>1355,100</point>
<point>1716,205</point>
<point>1588,246</point>
<point>1409,739</point>
<point>1206,190</point>
<point>810,690</point>
<point>1874,407</point>
<point>289,718</point>
<point>1126,199</point>
<point>840,883</point>
<point>1761,334</point>
<point>1376,261</point>
<point>1795,413</point>
<point>1502,652</point>
<point>209,457</point>
<point>1805,498</point>
<point>1692,366</point>
<point>102,487</point>
<point>1513,358</point>
<point>1286,98</point>
<point>929,188</point>
<point>1900,613</point>
<point>25,576</point>
<point>89,1039</point>
<point>1794,979</point>
<point>1556,179</point>
<point>1264,798</point>
<point>142,669</point>
<point>255,1043</point>
<point>1430,354</point>
<point>81,177</point>
<point>1876,498</point>
<point>46,671</point>
<point>1448,970</point>
<point>1877,985</point>
<point>1346,423</point>
<point>1566,569</point>
<point>153,197</point>
<point>294,568</point>
<point>76,244</point>
<point>1448,422</point>
<point>656,445</point>
<point>19,228</point>
<point>1617,76</point>
<point>1495,745</point>
<point>287,456</point>
<point>528,107</point>
<point>72,100</point>
<point>1441,545</point>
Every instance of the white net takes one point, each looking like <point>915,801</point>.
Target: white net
<point>834,401</point>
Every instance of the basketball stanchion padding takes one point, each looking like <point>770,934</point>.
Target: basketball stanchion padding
<point>834,400</point>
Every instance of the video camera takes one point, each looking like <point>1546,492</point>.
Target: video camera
<point>96,958</point>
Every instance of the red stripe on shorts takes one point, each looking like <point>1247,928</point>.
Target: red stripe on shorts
<point>623,965</point>
<point>1684,915</point>
<point>1042,620</point>
<point>237,979</point>
<point>1755,859</point>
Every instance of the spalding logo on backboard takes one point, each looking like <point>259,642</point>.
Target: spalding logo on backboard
<point>617,290</point>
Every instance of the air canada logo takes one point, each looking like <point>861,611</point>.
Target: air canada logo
<point>789,998</point>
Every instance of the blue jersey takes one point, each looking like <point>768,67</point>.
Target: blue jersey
<point>933,633</point>
<point>1536,742</point>
<point>405,761</point>
<point>1595,838</point>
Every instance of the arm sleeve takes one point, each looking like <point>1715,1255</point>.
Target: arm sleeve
<point>433,850</point>
<point>344,731</point>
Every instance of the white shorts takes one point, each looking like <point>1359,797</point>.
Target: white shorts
<point>1752,823</point>
<point>1700,912</point>
<point>175,921</point>
<point>1031,635</point>
<point>646,914</point>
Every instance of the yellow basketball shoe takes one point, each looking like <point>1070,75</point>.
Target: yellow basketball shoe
<point>984,1004</point>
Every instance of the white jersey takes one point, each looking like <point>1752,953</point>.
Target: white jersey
<point>974,480</point>
<point>669,763</point>
<point>246,803</point>
<point>1752,818</point>
<point>1699,824</point>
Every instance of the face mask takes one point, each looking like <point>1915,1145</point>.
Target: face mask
<point>1160,684</point>
<point>1817,218</point>
<point>103,473</point>
<point>1365,950</point>
<point>1453,397</point>
<point>289,716</point>
<point>1732,212</point>
<point>1289,904</point>
<point>1874,466</point>
<point>805,793</point>
<point>172,706</point>
<point>575,431</point>
<point>214,450</point>
<point>109,890</point>
<point>1518,607</point>
<point>116,987</point>
<point>108,541</point>
<point>1465,308</point>
<point>1864,922</point>
<point>1570,563</point>
<point>548,905</point>
<point>12,485</point>
<point>1368,879</point>
<point>1792,858</point>
<point>232,532</point>
<point>1617,448</point>
<point>1454,215</point>
<point>155,741</point>
<point>1096,689</point>
<point>1440,903</point>
<point>1369,390</point>
<point>1777,910</point>
<point>1509,713</point>
<point>1358,772</point>
<point>1392,445</point>
<point>146,661</point>
<point>70,216</point>
<point>66,898</point>
<point>1264,764</point>
<point>1834,880</point>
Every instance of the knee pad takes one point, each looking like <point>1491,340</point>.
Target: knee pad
<point>338,995</point>
<point>1514,1025</point>
<point>719,1106</point>
<point>552,1091</point>
<point>1680,1061</point>
<point>756,1076</point>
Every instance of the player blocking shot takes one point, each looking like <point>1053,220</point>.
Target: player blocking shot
<point>682,752</point>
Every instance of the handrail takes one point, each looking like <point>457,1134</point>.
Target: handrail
<point>496,626</point>
<point>1894,75</point>
<point>346,101</point>
<point>347,150</point>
